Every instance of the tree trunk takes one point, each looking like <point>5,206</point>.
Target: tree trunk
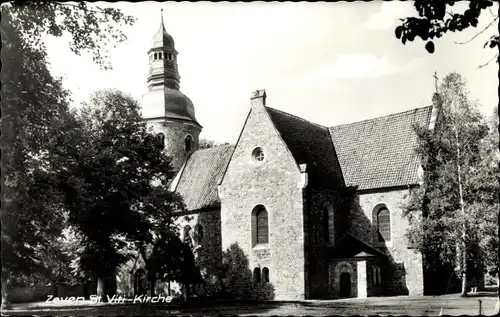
<point>152,287</point>
<point>463,262</point>
<point>106,287</point>
<point>497,309</point>
<point>5,295</point>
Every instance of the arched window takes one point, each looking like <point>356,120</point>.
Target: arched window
<point>256,276</point>
<point>376,276</point>
<point>187,235</point>
<point>188,143</point>
<point>265,275</point>
<point>161,140</point>
<point>156,56</point>
<point>159,55</point>
<point>259,226</point>
<point>198,234</point>
<point>262,226</point>
<point>328,223</point>
<point>379,279</point>
<point>383,225</point>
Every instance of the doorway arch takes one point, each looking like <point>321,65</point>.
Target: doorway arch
<point>140,282</point>
<point>345,285</point>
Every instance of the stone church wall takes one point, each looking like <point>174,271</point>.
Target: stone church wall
<point>317,261</point>
<point>275,184</point>
<point>404,274</point>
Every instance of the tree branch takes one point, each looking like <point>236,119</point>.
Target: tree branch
<point>481,66</point>
<point>479,33</point>
<point>493,14</point>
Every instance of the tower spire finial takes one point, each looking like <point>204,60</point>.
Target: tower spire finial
<point>436,81</point>
<point>161,15</point>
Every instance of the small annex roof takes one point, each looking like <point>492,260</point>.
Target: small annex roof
<point>352,247</point>
<point>201,175</point>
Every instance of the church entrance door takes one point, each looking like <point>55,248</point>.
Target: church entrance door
<point>345,285</point>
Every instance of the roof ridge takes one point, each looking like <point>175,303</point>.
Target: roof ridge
<point>384,116</point>
<point>297,117</point>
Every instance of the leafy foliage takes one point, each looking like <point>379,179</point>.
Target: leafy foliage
<point>92,28</point>
<point>172,260</point>
<point>434,208</point>
<point>114,179</point>
<point>435,20</point>
<point>207,144</point>
<point>34,111</point>
<point>35,117</point>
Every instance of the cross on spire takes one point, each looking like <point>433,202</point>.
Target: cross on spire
<point>436,81</point>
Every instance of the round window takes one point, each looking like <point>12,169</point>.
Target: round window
<point>258,155</point>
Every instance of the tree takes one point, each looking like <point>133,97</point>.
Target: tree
<point>207,144</point>
<point>435,20</point>
<point>452,195</point>
<point>485,182</point>
<point>433,23</point>
<point>92,28</point>
<point>114,179</point>
<point>172,260</point>
<point>35,111</point>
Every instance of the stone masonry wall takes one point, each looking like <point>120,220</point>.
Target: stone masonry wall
<point>317,259</point>
<point>404,273</point>
<point>275,184</point>
<point>176,132</point>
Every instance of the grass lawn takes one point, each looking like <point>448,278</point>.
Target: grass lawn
<point>398,305</point>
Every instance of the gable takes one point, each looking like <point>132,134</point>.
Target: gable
<point>260,132</point>
<point>200,176</point>
<point>380,152</point>
<point>352,247</point>
<point>310,144</point>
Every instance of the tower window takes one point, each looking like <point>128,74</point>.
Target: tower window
<point>159,54</point>
<point>188,143</point>
<point>161,140</point>
<point>156,56</point>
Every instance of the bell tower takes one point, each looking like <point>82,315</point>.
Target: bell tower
<point>164,106</point>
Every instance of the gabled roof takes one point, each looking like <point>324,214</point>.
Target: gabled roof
<point>311,144</point>
<point>380,152</point>
<point>201,175</point>
<point>351,247</point>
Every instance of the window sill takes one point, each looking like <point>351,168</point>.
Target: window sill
<point>261,246</point>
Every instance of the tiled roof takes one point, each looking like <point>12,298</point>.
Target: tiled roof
<point>380,152</point>
<point>200,177</point>
<point>311,144</point>
<point>351,246</point>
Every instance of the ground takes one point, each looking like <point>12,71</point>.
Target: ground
<point>398,305</point>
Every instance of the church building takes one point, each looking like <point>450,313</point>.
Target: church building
<point>306,211</point>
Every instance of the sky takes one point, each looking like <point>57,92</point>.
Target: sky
<point>330,63</point>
